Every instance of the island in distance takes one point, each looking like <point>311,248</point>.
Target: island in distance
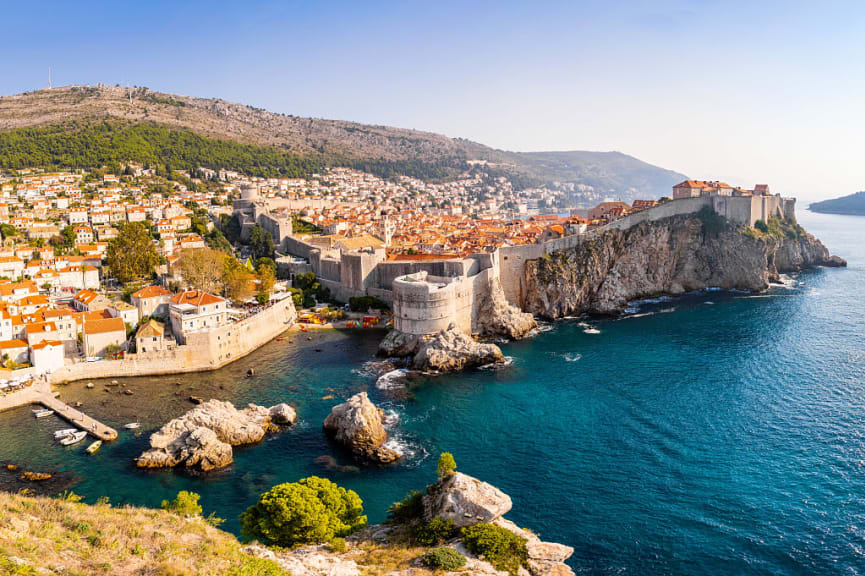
<point>852,204</point>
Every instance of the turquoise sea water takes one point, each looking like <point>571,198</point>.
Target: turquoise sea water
<point>715,433</point>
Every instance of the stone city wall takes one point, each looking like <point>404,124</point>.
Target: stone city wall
<point>204,350</point>
<point>425,304</point>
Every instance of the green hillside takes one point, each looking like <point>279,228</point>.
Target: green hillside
<point>853,204</point>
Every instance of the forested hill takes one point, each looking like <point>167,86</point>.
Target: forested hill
<point>278,143</point>
<point>853,204</point>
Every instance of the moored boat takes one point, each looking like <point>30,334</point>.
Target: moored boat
<point>132,425</point>
<point>60,434</point>
<point>42,413</point>
<point>94,447</point>
<point>74,438</point>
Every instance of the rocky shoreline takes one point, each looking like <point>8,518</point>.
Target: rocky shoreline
<point>665,257</point>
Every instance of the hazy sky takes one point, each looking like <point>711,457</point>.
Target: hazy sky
<point>747,92</point>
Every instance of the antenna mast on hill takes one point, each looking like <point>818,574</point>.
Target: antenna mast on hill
<point>49,77</point>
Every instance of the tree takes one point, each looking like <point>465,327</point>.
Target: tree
<point>132,254</point>
<point>185,504</point>
<point>266,277</point>
<point>236,279</point>
<point>446,465</point>
<point>312,510</point>
<point>203,268</point>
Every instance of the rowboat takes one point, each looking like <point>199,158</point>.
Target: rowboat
<point>60,434</point>
<point>42,413</point>
<point>132,425</point>
<point>74,438</point>
<point>94,447</point>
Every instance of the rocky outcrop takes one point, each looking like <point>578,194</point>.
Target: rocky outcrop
<point>465,501</point>
<point>307,561</point>
<point>398,344</point>
<point>452,350</point>
<point>545,558</point>
<point>201,439</point>
<point>358,425</point>
<point>449,350</point>
<point>497,317</point>
<point>669,256</point>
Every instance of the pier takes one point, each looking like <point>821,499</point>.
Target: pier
<point>40,393</point>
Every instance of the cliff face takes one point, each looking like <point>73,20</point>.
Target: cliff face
<point>669,256</point>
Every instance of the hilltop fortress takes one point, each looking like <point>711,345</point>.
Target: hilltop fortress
<point>429,294</point>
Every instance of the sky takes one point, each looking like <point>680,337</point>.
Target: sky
<point>746,92</point>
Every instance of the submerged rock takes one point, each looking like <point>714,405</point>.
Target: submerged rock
<point>202,438</point>
<point>359,425</point>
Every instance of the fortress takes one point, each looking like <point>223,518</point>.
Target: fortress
<point>429,295</point>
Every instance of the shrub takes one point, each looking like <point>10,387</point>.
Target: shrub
<point>251,566</point>
<point>406,510</point>
<point>185,504</point>
<point>337,545</point>
<point>500,547</point>
<point>364,303</point>
<point>435,532</point>
<point>262,297</point>
<point>446,465</point>
<point>311,510</point>
<point>443,558</point>
<point>762,226</point>
<point>712,221</point>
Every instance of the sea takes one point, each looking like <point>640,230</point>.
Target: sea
<point>713,433</point>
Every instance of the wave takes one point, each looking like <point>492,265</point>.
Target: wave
<point>498,365</point>
<point>572,357</point>
<point>542,327</point>
<point>393,380</point>
<point>375,368</point>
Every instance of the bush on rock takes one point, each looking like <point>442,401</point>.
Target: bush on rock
<point>312,510</point>
<point>444,558</point>
<point>500,547</point>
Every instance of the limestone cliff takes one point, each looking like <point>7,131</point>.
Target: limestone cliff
<point>669,256</point>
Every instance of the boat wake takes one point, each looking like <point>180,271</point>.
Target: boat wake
<point>588,328</point>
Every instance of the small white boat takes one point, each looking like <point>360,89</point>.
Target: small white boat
<point>64,433</point>
<point>133,426</point>
<point>74,438</point>
<point>42,413</point>
<point>94,447</point>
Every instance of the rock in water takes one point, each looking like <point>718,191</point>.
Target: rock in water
<point>202,438</point>
<point>465,500</point>
<point>283,414</point>
<point>452,350</point>
<point>358,425</point>
<point>398,344</point>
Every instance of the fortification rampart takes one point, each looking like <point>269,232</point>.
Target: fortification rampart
<point>424,304</point>
<point>204,350</point>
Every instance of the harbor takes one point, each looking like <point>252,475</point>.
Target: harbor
<point>39,392</point>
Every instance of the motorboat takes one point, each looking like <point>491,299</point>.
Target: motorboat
<point>133,425</point>
<point>74,438</point>
<point>94,447</point>
<point>43,413</point>
<point>60,434</point>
